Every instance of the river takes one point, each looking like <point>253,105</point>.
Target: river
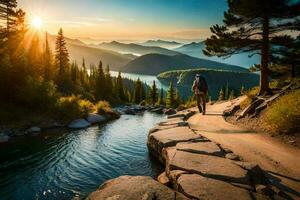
<point>64,164</point>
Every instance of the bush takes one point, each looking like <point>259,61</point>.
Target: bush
<point>283,115</point>
<point>72,107</point>
<point>103,107</point>
<point>38,94</point>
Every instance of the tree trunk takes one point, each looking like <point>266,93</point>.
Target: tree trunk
<point>264,83</point>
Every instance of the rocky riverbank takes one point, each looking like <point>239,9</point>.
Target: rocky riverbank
<point>195,168</point>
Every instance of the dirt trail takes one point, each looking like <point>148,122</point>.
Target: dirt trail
<point>282,161</point>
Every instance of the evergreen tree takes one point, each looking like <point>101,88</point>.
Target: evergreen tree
<point>48,61</point>
<point>100,82</point>
<point>108,84</point>
<point>8,15</point>
<point>178,99</point>
<point>226,95</point>
<point>221,95</point>
<point>170,98</point>
<point>161,100</point>
<point>120,88</point>
<point>35,56</point>
<point>249,26</point>
<point>138,91</point>
<point>61,53</point>
<point>153,93</point>
<point>231,95</point>
<point>143,96</point>
<point>242,90</point>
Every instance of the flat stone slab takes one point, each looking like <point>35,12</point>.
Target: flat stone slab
<point>199,187</point>
<point>174,121</point>
<point>169,137</point>
<point>134,188</point>
<point>206,165</point>
<point>209,148</point>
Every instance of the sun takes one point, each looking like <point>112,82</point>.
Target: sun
<point>36,22</point>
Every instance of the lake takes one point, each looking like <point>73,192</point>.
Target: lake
<point>63,164</point>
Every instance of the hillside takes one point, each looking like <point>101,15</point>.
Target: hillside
<point>154,64</point>
<point>79,50</point>
<point>195,49</point>
<point>216,79</point>
<point>162,44</point>
<point>135,49</point>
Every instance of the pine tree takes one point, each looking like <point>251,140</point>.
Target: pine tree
<point>242,90</point>
<point>226,95</point>
<point>48,61</point>
<point>178,99</point>
<point>35,56</point>
<point>221,95</point>
<point>249,26</point>
<point>120,88</point>
<point>108,84</point>
<point>100,82</point>
<point>161,100</point>
<point>153,93</point>
<point>170,98</point>
<point>61,53</point>
<point>8,15</point>
<point>231,95</point>
<point>138,91</point>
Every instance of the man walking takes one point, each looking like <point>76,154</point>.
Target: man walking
<point>200,90</point>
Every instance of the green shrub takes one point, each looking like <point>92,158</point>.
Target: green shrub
<point>72,107</point>
<point>38,94</point>
<point>283,115</point>
<point>103,107</point>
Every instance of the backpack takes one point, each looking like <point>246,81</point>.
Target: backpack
<point>202,85</point>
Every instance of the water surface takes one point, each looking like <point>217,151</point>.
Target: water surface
<point>65,164</point>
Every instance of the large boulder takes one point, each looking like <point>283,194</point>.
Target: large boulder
<point>95,118</point>
<point>3,138</point>
<point>199,187</point>
<point>134,188</point>
<point>79,124</point>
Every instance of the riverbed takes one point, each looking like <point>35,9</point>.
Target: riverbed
<point>62,164</point>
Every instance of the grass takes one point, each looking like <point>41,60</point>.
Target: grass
<point>251,93</point>
<point>283,115</point>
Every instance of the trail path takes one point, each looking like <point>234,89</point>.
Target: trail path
<point>281,161</point>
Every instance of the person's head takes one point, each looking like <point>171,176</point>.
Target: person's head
<point>197,76</point>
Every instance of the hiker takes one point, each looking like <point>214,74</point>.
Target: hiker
<point>200,90</point>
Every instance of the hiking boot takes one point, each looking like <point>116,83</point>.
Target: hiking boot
<point>203,113</point>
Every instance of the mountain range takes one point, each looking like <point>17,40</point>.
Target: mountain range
<point>153,64</point>
<point>135,49</point>
<point>162,43</point>
<point>195,49</point>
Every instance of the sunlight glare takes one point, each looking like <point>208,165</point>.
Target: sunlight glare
<point>37,22</point>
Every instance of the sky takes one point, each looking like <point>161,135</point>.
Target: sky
<point>127,20</point>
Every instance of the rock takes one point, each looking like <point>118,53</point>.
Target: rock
<point>79,123</point>
<point>158,110</point>
<point>167,138</point>
<point>208,148</point>
<point>199,187</point>
<point>4,138</point>
<point>163,179</point>
<point>159,128</point>
<point>34,129</point>
<point>134,188</point>
<point>129,112</point>
<point>95,118</point>
<point>264,189</point>
<point>174,175</point>
<point>178,115</point>
<point>206,165</point>
<point>170,111</point>
<point>232,156</point>
<point>173,121</point>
